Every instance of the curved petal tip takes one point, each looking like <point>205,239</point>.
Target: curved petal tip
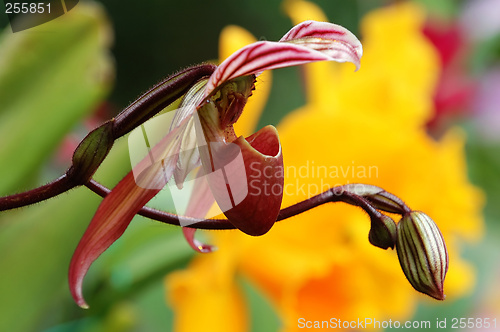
<point>195,244</point>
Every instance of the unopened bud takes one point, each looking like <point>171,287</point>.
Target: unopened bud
<point>91,152</point>
<point>382,232</point>
<point>422,253</point>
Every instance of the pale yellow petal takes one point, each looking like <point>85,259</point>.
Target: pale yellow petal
<point>396,50</point>
<point>205,297</point>
<point>231,39</point>
<point>300,11</point>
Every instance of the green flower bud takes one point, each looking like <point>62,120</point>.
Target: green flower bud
<point>382,232</point>
<point>422,253</point>
<point>91,152</point>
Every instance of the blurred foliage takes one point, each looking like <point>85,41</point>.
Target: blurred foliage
<point>50,78</point>
<point>443,8</point>
<point>485,55</point>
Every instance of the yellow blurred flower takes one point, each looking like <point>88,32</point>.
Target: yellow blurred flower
<point>363,127</point>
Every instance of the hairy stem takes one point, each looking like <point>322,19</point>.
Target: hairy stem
<point>335,194</point>
<point>86,163</point>
<point>54,188</point>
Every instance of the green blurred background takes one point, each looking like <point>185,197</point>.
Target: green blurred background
<point>148,41</point>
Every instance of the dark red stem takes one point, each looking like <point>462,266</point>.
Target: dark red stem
<point>335,194</point>
<point>54,188</point>
<point>158,97</point>
<point>147,105</point>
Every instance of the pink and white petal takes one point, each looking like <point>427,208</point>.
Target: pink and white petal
<point>120,206</point>
<point>324,30</point>
<point>258,57</point>
<point>336,51</point>
<point>201,199</point>
<point>199,204</point>
<point>319,41</point>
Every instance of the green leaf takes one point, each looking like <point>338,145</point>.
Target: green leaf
<point>51,76</point>
<point>37,243</point>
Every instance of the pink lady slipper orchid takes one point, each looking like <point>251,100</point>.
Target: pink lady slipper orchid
<point>201,133</point>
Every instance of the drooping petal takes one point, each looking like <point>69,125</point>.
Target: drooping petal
<point>119,207</point>
<point>195,244</point>
<point>308,42</point>
<point>110,221</point>
<point>199,204</point>
<point>201,199</point>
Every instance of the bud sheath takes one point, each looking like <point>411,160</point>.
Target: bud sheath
<point>422,253</point>
<point>91,152</point>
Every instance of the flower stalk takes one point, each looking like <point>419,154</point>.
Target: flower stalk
<point>94,148</point>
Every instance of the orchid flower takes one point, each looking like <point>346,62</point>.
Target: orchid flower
<point>245,176</point>
<point>218,100</point>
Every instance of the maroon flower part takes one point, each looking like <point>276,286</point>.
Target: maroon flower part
<point>209,109</point>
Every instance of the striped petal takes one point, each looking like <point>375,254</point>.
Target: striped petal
<point>307,42</point>
<point>119,207</point>
<point>324,30</point>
